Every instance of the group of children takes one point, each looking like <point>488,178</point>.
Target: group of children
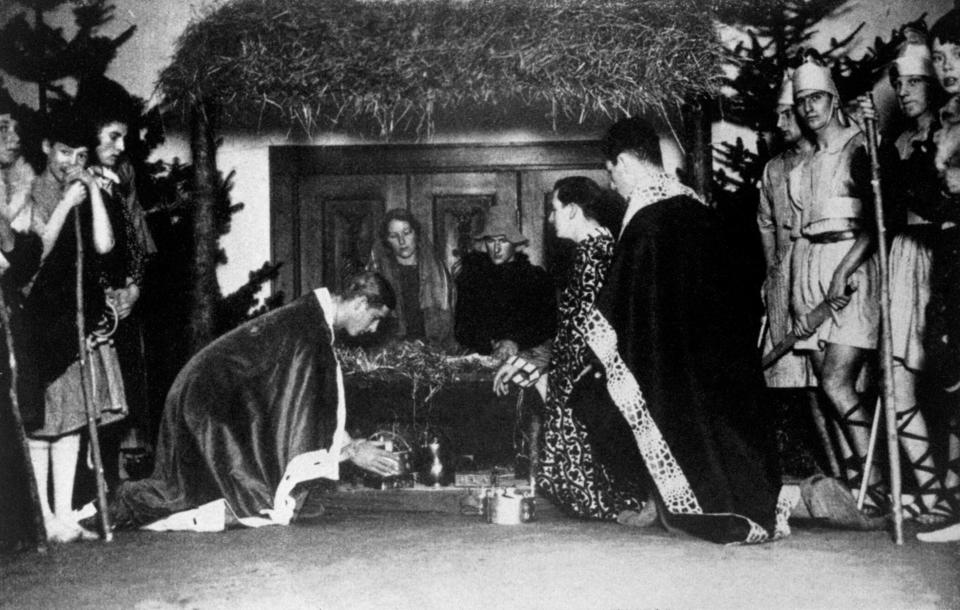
<point>74,243</point>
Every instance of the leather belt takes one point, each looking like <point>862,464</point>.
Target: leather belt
<point>833,236</point>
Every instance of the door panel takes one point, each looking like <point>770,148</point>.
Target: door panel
<point>454,205</point>
<point>340,216</point>
<point>327,201</point>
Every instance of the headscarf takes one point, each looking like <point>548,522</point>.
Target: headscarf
<point>435,285</point>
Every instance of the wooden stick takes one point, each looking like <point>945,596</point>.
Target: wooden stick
<point>886,345</point>
<point>868,460</point>
<point>39,529</point>
<point>820,423</point>
<point>86,377</point>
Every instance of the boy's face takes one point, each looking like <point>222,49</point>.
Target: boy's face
<point>63,159</point>
<point>499,249</point>
<point>787,124</point>
<point>110,143</point>
<point>561,217</point>
<point>946,64</point>
<point>816,108</point>
<point>912,95</point>
<point>360,318</point>
<point>9,140</point>
<point>619,175</point>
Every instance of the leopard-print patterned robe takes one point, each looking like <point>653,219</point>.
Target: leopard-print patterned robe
<point>569,473</point>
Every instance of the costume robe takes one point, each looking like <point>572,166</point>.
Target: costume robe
<point>681,368</point>
<point>776,220</point>
<point>573,472</point>
<point>237,413</point>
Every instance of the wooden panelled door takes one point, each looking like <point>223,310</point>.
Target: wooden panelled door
<point>327,201</point>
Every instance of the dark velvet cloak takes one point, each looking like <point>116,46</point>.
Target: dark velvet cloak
<point>237,413</point>
<point>682,369</point>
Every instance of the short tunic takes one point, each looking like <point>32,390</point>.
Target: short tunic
<point>911,259</point>
<point>776,217</point>
<point>829,189</point>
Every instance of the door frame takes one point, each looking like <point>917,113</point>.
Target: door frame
<point>290,165</point>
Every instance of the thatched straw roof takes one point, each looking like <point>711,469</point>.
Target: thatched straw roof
<point>318,64</point>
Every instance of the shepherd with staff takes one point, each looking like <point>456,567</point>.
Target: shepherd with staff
<point>67,204</point>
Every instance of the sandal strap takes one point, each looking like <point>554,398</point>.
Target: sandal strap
<point>944,503</point>
<point>847,416</point>
<point>904,418</point>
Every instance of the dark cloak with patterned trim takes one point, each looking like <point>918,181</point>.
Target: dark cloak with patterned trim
<point>682,369</point>
<point>238,412</point>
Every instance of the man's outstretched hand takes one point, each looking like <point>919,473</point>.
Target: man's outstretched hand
<point>371,456</point>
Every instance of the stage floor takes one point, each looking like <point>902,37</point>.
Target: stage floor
<point>350,559</point>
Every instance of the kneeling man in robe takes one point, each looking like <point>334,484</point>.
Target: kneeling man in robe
<point>256,412</point>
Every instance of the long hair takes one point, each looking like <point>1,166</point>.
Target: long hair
<point>436,289</point>
<point>402,215</point>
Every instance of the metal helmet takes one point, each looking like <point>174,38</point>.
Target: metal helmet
<point>786,90</point>
<point>811,76</point>
<point>914,60</point>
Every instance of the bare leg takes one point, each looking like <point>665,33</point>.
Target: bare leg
<point>847,455</point>
<point>841,367</point>
<point>820,423</point>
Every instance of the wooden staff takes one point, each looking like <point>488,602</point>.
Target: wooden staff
<point>39,529</point>
<point>86,376</point>
<point>886,345</point>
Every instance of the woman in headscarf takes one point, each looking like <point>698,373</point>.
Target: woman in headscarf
<point>425,296</point>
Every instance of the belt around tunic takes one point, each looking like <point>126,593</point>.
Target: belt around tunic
<point>831,237</point>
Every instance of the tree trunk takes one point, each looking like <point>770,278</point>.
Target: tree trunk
<point>205,289</point>
<point>697,120</point>
<point>42,85</point>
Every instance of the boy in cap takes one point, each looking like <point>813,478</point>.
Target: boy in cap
<point>505,304</point>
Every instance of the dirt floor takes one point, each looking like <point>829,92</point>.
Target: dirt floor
<point>349,559</point>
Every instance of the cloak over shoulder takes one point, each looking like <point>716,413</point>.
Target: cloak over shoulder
<point>682,370</point>
<point>236,415</point>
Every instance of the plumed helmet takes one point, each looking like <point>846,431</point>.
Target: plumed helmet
<point>811,76</point>
<point>786,90</point>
